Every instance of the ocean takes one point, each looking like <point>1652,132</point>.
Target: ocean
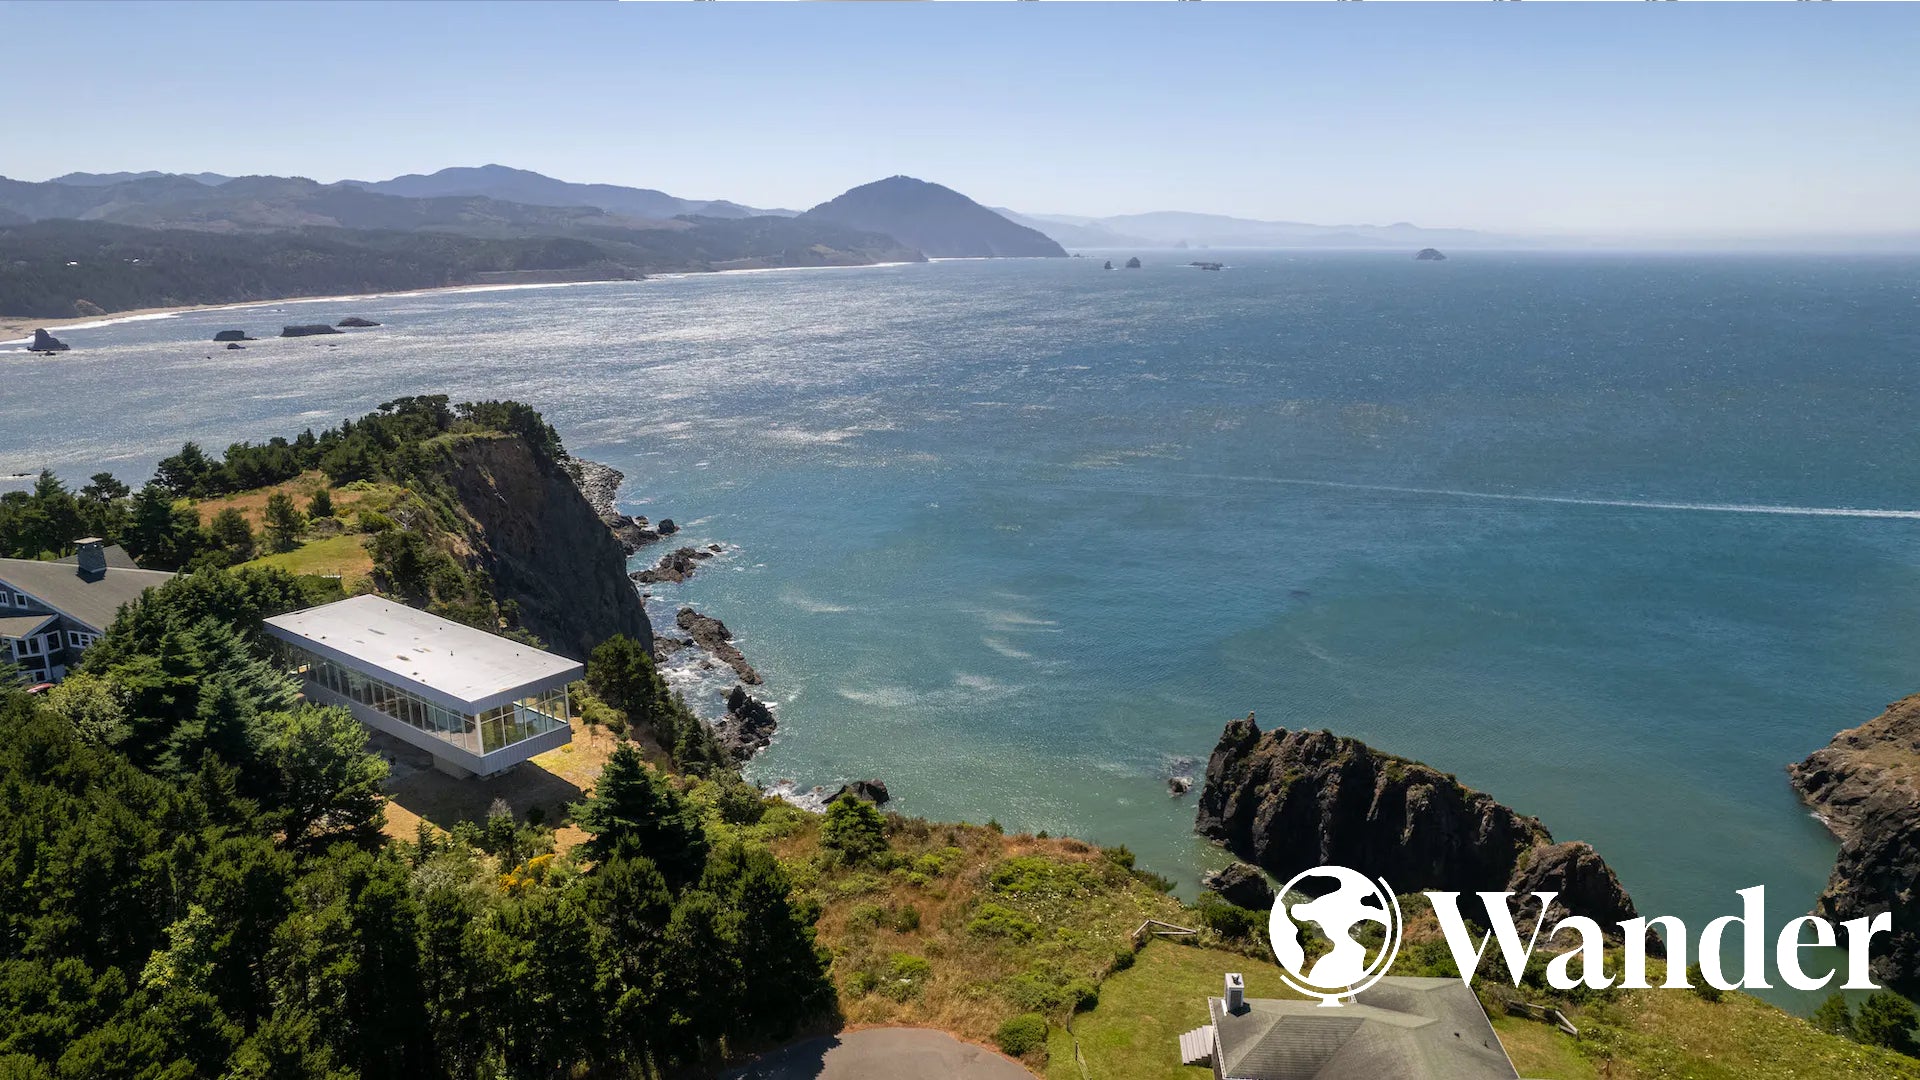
<point>1613,538</point>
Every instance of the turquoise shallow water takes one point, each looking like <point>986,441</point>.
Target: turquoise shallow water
<point>1018,536</point>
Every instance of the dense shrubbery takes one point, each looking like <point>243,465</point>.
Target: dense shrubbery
<point>622,674</point>
<point>225,907</point>
<point>1022,1035</point>
<point>165,533</point>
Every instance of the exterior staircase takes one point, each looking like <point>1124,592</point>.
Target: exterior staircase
<point>1196,1046</point>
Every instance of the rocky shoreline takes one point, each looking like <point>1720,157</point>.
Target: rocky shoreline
<point>749,724</point>
<point>600,484</point>
<point>1289,801</point>
<point>1864,786</point>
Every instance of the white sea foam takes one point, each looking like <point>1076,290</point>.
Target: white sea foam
<point>812,606</point>
<point>1000,646</point>
<point>880,697</point>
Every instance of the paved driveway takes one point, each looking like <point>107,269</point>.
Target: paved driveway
<point>883,1054</point>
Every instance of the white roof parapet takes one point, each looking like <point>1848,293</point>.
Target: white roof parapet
<point>450,664</point>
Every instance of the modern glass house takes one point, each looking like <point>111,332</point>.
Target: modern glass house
<point>477,702</point>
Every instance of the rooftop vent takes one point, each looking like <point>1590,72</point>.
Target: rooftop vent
<point>92,558</point>
<point>1236,993</point>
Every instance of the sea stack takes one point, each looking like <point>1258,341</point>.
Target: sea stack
<point>44,342</point>
<point>1289,801</point>
<point>1133,263</point>
<point>1430,255</point>
<point>1864,786</point>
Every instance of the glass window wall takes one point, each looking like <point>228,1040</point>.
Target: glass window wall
<point>491,730</point>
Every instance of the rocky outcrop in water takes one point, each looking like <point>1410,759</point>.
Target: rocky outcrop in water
<point>307,330</point>
<point>46,343</point>
<point>1241,885</point>
<point>1133,263</point>
<point>1430,255</point>
<point>675,566</point>
<point>356,322</point>
<point>232,335</point>
<point>1865,787</point>
<point>712,635</point>
<point>873,791</point>
<point>235,345</point>
<point>601,486</point>
<point>748,726</point>
<point>1289,801</point>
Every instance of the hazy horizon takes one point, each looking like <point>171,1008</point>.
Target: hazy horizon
<point>1612,123</point>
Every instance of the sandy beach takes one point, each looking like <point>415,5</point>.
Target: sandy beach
<point>18,329</point>
<point>15,329</point>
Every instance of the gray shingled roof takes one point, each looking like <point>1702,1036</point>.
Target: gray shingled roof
<point>60,587</point>
<point>17,626</point>
<point>116,557</point>
<point>1433,1029</point>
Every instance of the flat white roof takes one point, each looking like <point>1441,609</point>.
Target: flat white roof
<point>461,667</point>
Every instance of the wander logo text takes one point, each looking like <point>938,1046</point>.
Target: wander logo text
<point>1345,904</point>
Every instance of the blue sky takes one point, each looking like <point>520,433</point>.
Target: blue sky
<point>1628,119</point>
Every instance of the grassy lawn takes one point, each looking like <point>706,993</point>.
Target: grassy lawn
<point>1636,1035</point>
<point>1649,1034</point>
<point>253,504</point>
<point>1539,1050</point>
<point>961,927</point>
<point>1135,1030</point>
<point>344,556</point>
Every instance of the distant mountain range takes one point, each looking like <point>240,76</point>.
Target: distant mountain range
<point>521,186</point>
<point>89,241</point>
<point>938,220</point>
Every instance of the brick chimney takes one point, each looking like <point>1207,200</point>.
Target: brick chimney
<point>92,558</point>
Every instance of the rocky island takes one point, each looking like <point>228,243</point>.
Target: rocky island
<point>1430,255</point>
<point>1289,801</point>
<point>44,342</point>
<point>1865,788</point>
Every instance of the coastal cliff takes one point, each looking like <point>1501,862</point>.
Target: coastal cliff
<point>545,547</point>
<point>1289,801</point>
<point>1865,787</point>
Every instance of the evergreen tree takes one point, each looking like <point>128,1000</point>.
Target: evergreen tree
<point>284,522</point>
<point>327,785</point>
<point>1833,1017</point>
<point>230,531</point>
<point>783,975</point>
<point>103,487</point>
<point>854,828</point>
<point>633,811</point>
<point>629,901</point>
<point>321,506</point>
<point>160,534</point>
<point>1886,1019</point>
<point>185,473</point>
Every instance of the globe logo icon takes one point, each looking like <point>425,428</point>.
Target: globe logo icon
<point>1344,905</point>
